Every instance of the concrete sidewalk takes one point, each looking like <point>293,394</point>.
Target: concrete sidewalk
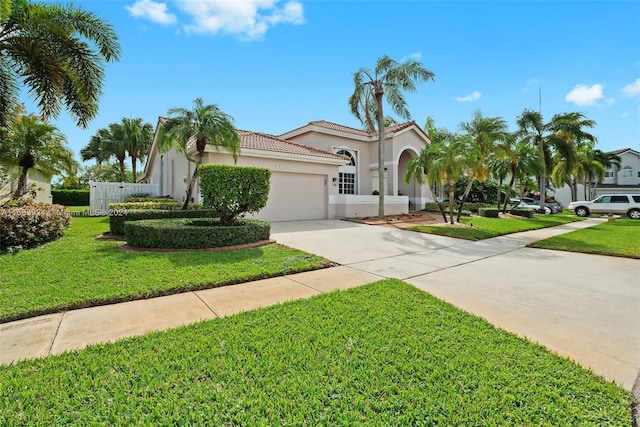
<point>582,306</point>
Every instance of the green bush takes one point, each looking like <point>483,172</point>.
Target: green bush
<point>233,191</point>
<point>188,233</point>
<point>70,197</point>
<point>118,218</point>
<point>488,212</point>
<point>524,212</point>
<point>141,198</point>
<point>166,204</point>
<point>32,225</point>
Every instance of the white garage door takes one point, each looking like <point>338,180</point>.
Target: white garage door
<point>296,196</point>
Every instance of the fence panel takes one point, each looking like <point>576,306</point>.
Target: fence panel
<point>103,193</point>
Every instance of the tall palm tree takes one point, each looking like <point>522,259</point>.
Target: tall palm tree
<point>202,125</point>
<point>107,143</point>
<point>558,133</point>
<point>33,144</point>
<point>138,137</point>
<point>387,81</point>
<point>483,134</point>
<point>58,52</point>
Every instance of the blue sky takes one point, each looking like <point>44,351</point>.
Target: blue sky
<point>277,65</point>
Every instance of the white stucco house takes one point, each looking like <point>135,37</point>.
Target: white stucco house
<point>617,180</point>
<point>35,180</point>
<point>321,170</point>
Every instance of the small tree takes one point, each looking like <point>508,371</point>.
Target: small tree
<point>234,191</point>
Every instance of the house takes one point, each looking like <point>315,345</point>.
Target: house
<point>36,181</point>
<point>617,180</point>
<point>321,170</point>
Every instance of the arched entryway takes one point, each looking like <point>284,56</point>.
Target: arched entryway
<point>412,189</point>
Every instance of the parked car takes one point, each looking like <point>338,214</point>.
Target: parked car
<point>620,204</point>
<point>528,202</point>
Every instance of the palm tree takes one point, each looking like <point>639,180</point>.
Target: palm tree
<point>446,160</point>
<point>608,160</point>
<point>107,143</point>
<point>33,144</point>
<point>517,159</point>
<point>483,133</point>
<point>546,136</point>
<point>389,78</point>
<point>138,137</point>
<point>58,52</point>
<point>202,125</point>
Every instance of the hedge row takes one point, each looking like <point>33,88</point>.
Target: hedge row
<point>117,219</point>
<point>524,212</point>
<point>70,197</point>
<point>164,204</point>
<point>489,212</point>
<point>189,233</point>
<point>147,199</point>
<point>31,225</point>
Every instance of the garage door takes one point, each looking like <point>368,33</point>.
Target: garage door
<point>296,196</point>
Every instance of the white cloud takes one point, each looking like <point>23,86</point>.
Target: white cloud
<point>631,90</point>
<point>585,95</point>
<point>473,97</point>
<point>531,83</point>
<point>415,56</point>
<point>156,12</point>
<point>247,18</point>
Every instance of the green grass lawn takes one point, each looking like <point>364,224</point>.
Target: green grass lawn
<point>379,355</point>
<point>485,228</point>
<point>77,208</point>
<point>78,271</point>
<point>619,238</point>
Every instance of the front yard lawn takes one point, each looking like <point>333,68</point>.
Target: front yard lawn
<point>383,354</point>
<point>479,228</point>
<point>79,271</point>
<point>618,238</point>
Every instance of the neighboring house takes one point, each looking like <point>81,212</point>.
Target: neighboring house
<point>35,180</point>
<point>319,171</point>
<point>617,180</point>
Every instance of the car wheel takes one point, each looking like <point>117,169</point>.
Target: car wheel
<point>582,211</point>
<point>634,214</point>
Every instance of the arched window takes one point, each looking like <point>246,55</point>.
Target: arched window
<point>627,172</point>
<point>347,174</point>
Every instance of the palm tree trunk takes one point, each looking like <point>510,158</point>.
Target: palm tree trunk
<point>123,175</point>
<point>192,183</point>
<point>543,175</point>
<point>464,197</point>
<point>22,183</point>
<point>452,192</point>
<point>134,174</point>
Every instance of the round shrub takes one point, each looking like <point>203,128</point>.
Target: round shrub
<point>194,233</point>
<point>28,226</point>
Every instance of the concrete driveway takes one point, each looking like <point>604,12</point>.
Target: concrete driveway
<point>585,307</point>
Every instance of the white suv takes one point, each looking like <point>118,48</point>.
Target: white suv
<point>621,204</point>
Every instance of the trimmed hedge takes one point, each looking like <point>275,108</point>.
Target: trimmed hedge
<point>199,233</point>
<point>147,199</point>
<point>117,219</point>
<point>233,191</point>
<point>70,197</point>
<point>489,212</point>
<point>524,212</point>
<point>166,204</point>
<point>32,225</point>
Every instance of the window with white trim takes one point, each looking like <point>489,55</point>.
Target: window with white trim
<point>627,172</point>
<point>347,174</point>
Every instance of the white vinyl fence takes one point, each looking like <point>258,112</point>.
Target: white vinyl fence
<point>103,193</point>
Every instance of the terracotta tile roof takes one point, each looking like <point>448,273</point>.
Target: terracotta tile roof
<point>335,126</point>
<point>262,141</point>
